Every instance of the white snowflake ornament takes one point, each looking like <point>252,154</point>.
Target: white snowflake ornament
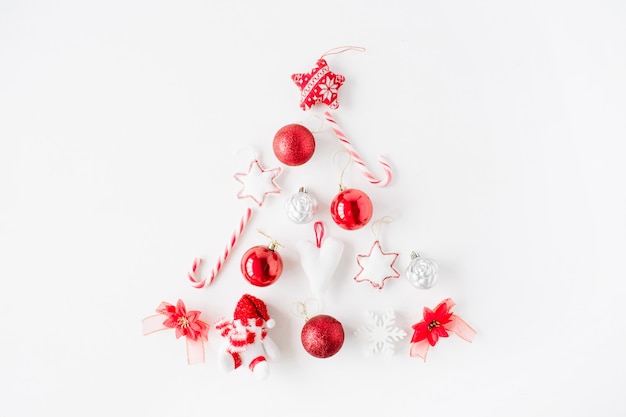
<point>380,333</point>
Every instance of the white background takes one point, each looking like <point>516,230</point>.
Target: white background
<point>120,123</point>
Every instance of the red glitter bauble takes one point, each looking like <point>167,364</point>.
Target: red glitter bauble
<point>351,209</point>
<point>261,266</point>
<point>294,144</point>
<point>322,336</point>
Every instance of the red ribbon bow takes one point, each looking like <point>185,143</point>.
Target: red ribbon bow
<point>186,323</point>
<point>437,323</point>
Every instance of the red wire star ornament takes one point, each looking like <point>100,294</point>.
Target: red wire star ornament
<point>258,182</point>
<point>377,266</point>
<point>320,85</point>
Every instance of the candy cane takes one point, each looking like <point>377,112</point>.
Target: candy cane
<point>357,159</point>
<point>220,261</point>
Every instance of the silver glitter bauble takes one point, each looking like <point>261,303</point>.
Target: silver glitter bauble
<point>422,272</point>
<point>301,207</point>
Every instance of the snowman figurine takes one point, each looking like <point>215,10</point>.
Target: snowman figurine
<point>246,339</point>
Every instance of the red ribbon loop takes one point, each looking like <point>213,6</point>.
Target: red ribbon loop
<point>319,233</point>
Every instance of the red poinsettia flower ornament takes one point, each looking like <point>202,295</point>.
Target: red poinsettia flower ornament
<point>438,323</point>
<point>185,323</point>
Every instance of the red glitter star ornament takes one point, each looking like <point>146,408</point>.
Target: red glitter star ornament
<point>321,85</point>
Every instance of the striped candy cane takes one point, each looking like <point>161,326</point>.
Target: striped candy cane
<point>220,261</point>
<point>357,159</point>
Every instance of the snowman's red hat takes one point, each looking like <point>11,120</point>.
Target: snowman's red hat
<point>251,307</point>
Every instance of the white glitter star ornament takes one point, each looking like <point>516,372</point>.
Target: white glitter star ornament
<point>258,182</point>
<point>380,333</point>
<point>377,266</point>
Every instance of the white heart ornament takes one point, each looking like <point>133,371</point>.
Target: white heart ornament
<point>319,261</point>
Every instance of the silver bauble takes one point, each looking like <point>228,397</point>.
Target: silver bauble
<point>422,272</point>
<point>301,207</point>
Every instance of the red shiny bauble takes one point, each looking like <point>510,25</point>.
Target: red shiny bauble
<point>351,209</point>
<point>294,144</point>
<point>261,265</point>
<point>322,336</point>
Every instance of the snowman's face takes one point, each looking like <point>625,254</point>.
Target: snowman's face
<point>252,328</point>
<point>249,325</point>
<point>254,325</point>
